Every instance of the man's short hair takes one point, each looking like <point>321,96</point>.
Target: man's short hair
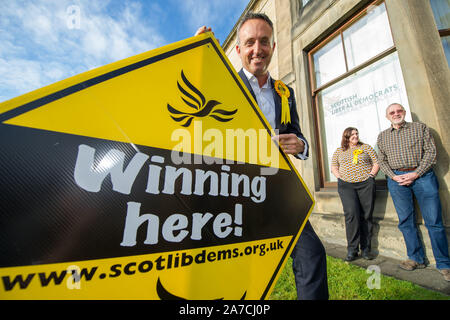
<point>394,103</point>
<point>254,15</point>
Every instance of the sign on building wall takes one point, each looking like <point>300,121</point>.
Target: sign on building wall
<point>154,177</point>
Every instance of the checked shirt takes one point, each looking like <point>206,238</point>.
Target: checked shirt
<point>410,146</point>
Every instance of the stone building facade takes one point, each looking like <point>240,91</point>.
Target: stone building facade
<point>347,60</point>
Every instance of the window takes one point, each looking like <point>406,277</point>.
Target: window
<point>441,12</point>
<point>367,37</point>
<point>329,62</point>
<point>355,75</point>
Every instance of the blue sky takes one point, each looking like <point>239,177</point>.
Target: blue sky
<point>45,41</point>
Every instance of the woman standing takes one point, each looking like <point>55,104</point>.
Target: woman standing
<point>355,166</point>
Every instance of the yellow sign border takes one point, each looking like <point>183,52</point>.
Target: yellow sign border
<point>37,98</point>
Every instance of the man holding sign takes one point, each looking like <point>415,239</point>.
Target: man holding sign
<point>255,46</point>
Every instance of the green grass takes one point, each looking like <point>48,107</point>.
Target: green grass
<point>349,282</point>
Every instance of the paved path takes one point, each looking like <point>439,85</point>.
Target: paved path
<point>429,278</point>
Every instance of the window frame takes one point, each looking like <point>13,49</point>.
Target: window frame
<point>442,32</point>
<point>318,130</point>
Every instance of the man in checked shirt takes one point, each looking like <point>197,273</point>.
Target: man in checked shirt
<point>406,154</point>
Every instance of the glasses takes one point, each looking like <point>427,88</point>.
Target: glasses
<point>396,112</point>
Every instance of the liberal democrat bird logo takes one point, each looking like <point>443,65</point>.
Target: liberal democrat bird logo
<point>196,100</point>
<point>163,294</point>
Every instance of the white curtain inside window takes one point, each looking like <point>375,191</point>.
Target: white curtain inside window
<point>368,36</point>
<point>329,61</point>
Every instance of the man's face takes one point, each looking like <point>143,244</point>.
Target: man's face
<point>395,114</point>
<point>354,137</point>
<point>255,46</point>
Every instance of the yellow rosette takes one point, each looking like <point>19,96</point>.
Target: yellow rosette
<point>356,153</point>
<point>284,93</point>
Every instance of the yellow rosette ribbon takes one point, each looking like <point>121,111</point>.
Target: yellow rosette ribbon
<point>356,153</point>
<point>284,93</point>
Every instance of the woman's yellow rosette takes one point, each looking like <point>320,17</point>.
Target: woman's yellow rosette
<point>356,152</point>
<point>284,93</point>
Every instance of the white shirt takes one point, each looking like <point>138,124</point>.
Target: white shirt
<point>264,98</point>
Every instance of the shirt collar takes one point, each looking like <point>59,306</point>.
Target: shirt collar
<point>250,78</point>
<point>403,125</point>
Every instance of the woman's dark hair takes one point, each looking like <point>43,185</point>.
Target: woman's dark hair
<point>345,143</point>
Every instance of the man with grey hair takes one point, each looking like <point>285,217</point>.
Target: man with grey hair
<point>255,48</point>
<point>406,154</point>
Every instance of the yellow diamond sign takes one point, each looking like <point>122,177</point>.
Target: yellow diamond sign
<point>154,177</point>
